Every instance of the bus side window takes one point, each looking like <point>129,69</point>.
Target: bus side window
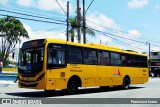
<point>125,60</point>
<point>56,56</point>
<point>143,61</point>
<point>75,55</point>
<point>52,57</point>
<point>103,58</point>
<point>134,60</point>
<point>89,56</point>
<point>115,59</point>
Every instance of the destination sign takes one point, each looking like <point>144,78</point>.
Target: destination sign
<point>34,43</point>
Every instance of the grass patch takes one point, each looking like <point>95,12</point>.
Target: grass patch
<point>10,69</point>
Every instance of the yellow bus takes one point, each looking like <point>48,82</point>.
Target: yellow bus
<point>51,64</point>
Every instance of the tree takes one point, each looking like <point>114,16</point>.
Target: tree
<point>12,30</point>
<point>74,27</point>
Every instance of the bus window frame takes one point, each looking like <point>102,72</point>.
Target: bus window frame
<point>57,66</point>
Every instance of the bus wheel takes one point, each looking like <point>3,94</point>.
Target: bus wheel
<point>126,83</point>
<point>49,92</point>
<point>72,87</point>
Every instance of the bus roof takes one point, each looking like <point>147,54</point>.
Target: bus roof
<point>94,46</point>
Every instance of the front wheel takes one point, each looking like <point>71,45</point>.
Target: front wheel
<point>72,87</point>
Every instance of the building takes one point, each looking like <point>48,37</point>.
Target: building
<point>155,63</point>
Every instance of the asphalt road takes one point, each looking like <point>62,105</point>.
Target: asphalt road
<point>148,90</point>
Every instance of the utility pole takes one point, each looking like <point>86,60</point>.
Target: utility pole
<point>149,59</point>
<point>67,33</point>
<point>84,23</point>
<point>78,21</point>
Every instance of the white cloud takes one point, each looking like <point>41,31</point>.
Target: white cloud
<point>101,22</point>
<point>48,5</point>
<point>3,2</point>
<point>134,34</point>
<point>42,34</point>
<point>135,4</point>
<point>26,3</point>
<point>53,5</point>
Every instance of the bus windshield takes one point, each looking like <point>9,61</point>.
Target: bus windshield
<point>31,59</point>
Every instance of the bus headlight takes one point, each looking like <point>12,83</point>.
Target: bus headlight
<point>40,77</point>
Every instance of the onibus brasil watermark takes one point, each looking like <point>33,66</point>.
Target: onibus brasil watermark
<point>79,100</point>
<point>21,101</point>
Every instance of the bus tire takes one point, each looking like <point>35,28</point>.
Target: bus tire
<point>126,83</point>
<point>72,87</point>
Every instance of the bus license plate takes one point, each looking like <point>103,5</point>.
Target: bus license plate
<point>27,83</point>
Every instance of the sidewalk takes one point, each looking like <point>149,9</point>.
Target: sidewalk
<point>2,82</point>
<point>7,77</point>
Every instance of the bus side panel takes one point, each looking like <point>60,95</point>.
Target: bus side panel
<point>109,75</point>
<point>104,76</point>
<point>117,75</point>
<point>50,84</point>
<point>87,73</point>
<point>56,78</point>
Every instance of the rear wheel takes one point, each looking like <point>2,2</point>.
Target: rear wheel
<point>72,87</point>
<point>126,83</point>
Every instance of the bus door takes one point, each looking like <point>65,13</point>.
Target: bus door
<point>56,67</point>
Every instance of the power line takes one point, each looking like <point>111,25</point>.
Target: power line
<point>50,30</point>
<point>125,34</point>
<point>119,36</point>
<point>150,39</point>
<point>36,20</point>
<point>31,9</point>
<point>125,38</point>
<point>89,6</point>
<point>117,39</point>
<point>31,15</point>
<point>56,28</point>
<point>61,7</point>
